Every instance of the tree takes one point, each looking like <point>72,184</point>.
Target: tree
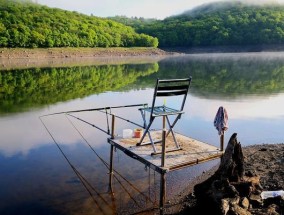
<point>25,24</point>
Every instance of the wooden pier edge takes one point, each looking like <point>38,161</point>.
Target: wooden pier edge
<point>136,157</point>
<point>197,161</point>
<point>161,169</point>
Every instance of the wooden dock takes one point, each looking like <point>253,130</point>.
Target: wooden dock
<point>167,156</point>
<point>192,151</point>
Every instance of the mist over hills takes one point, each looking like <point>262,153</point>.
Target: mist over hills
<point>220,6</point>
<point>224,23</point>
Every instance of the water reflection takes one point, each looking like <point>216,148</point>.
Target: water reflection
<point>37,179</point>
<point>214,76</point>
<point>23,89</point>
<point>24,132</point>
<point>226,75</point>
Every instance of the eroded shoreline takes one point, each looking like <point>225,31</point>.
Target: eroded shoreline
<point>265,160</point>
<point>46,53</point>
<point>16,58</point>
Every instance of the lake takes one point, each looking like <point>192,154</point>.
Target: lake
<point>63,169</point>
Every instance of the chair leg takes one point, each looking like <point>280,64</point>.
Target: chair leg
<point>145,132</point>
<point>145,127</point>
<point>152,143</point>
<point>171,131</point>
<point>172,125</point>
<point>143,114</point>
<point>150,138</point>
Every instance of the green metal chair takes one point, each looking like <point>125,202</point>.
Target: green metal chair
<point>165,88</point>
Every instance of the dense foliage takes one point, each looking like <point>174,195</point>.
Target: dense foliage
<point>22,89</point>
<point>223,23</point>
<point>229,77</point>
<point>26,24</point>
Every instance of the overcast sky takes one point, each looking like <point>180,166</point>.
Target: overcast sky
<point>140,8</point>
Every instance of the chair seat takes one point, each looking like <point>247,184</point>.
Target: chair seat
<point>165,88</point>
<point>162,110</point>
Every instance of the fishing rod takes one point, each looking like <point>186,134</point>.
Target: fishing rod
<point>107,132</point>
<point>82,179</point>
<point>119,117</point>
<point>94,109</point>
<point>105,163</point>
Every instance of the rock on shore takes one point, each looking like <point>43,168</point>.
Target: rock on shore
<point>262,170</point>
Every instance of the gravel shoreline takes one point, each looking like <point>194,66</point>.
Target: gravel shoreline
<point>265,160</point>
<point>19,58</point>
<point>39,53</point>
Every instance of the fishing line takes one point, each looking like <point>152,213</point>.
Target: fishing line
<point>134,123</point>
<point>93,109</point>
<point>88,123</point>
<point>146,210</point>
<point>124,119</point>
<point>128,193</point>
<point>104,162</point>
<point>108,130</point>
<point>81,178</point>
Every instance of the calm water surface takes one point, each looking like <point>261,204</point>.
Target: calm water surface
<point>67,173</point>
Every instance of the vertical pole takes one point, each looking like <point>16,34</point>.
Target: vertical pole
<point>222,142</point>
<point>111,154</point>
<point>162,192</point>
<point>112,125</point>
<point>163,161</point>
<point>111,168</point>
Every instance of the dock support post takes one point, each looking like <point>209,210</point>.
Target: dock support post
<point>111,154</point>
<point>162,192</point>
<point>112,125</point>
<point>111,168</point>
<point>222,142</point>
<point>163,174</point>
<point>163,161</point>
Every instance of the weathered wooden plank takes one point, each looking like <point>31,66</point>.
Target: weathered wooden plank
<point>192,151</point>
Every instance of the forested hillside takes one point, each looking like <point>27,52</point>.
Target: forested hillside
<point>26,24</point>
<point>221,23</point>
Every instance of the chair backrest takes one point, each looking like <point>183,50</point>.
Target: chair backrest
<point>171,87</point>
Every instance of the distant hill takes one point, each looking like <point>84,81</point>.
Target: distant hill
<point>26,24</point>
<point>223,6</point>
<point>211,8</point>
<point>218,24</point>
<point>228,23</point>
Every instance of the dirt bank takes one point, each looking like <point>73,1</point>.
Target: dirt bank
<point>40,53</point>
<point>19,58</point>
<point>266,161</point>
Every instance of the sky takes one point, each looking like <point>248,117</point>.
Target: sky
<point>158,9</point>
